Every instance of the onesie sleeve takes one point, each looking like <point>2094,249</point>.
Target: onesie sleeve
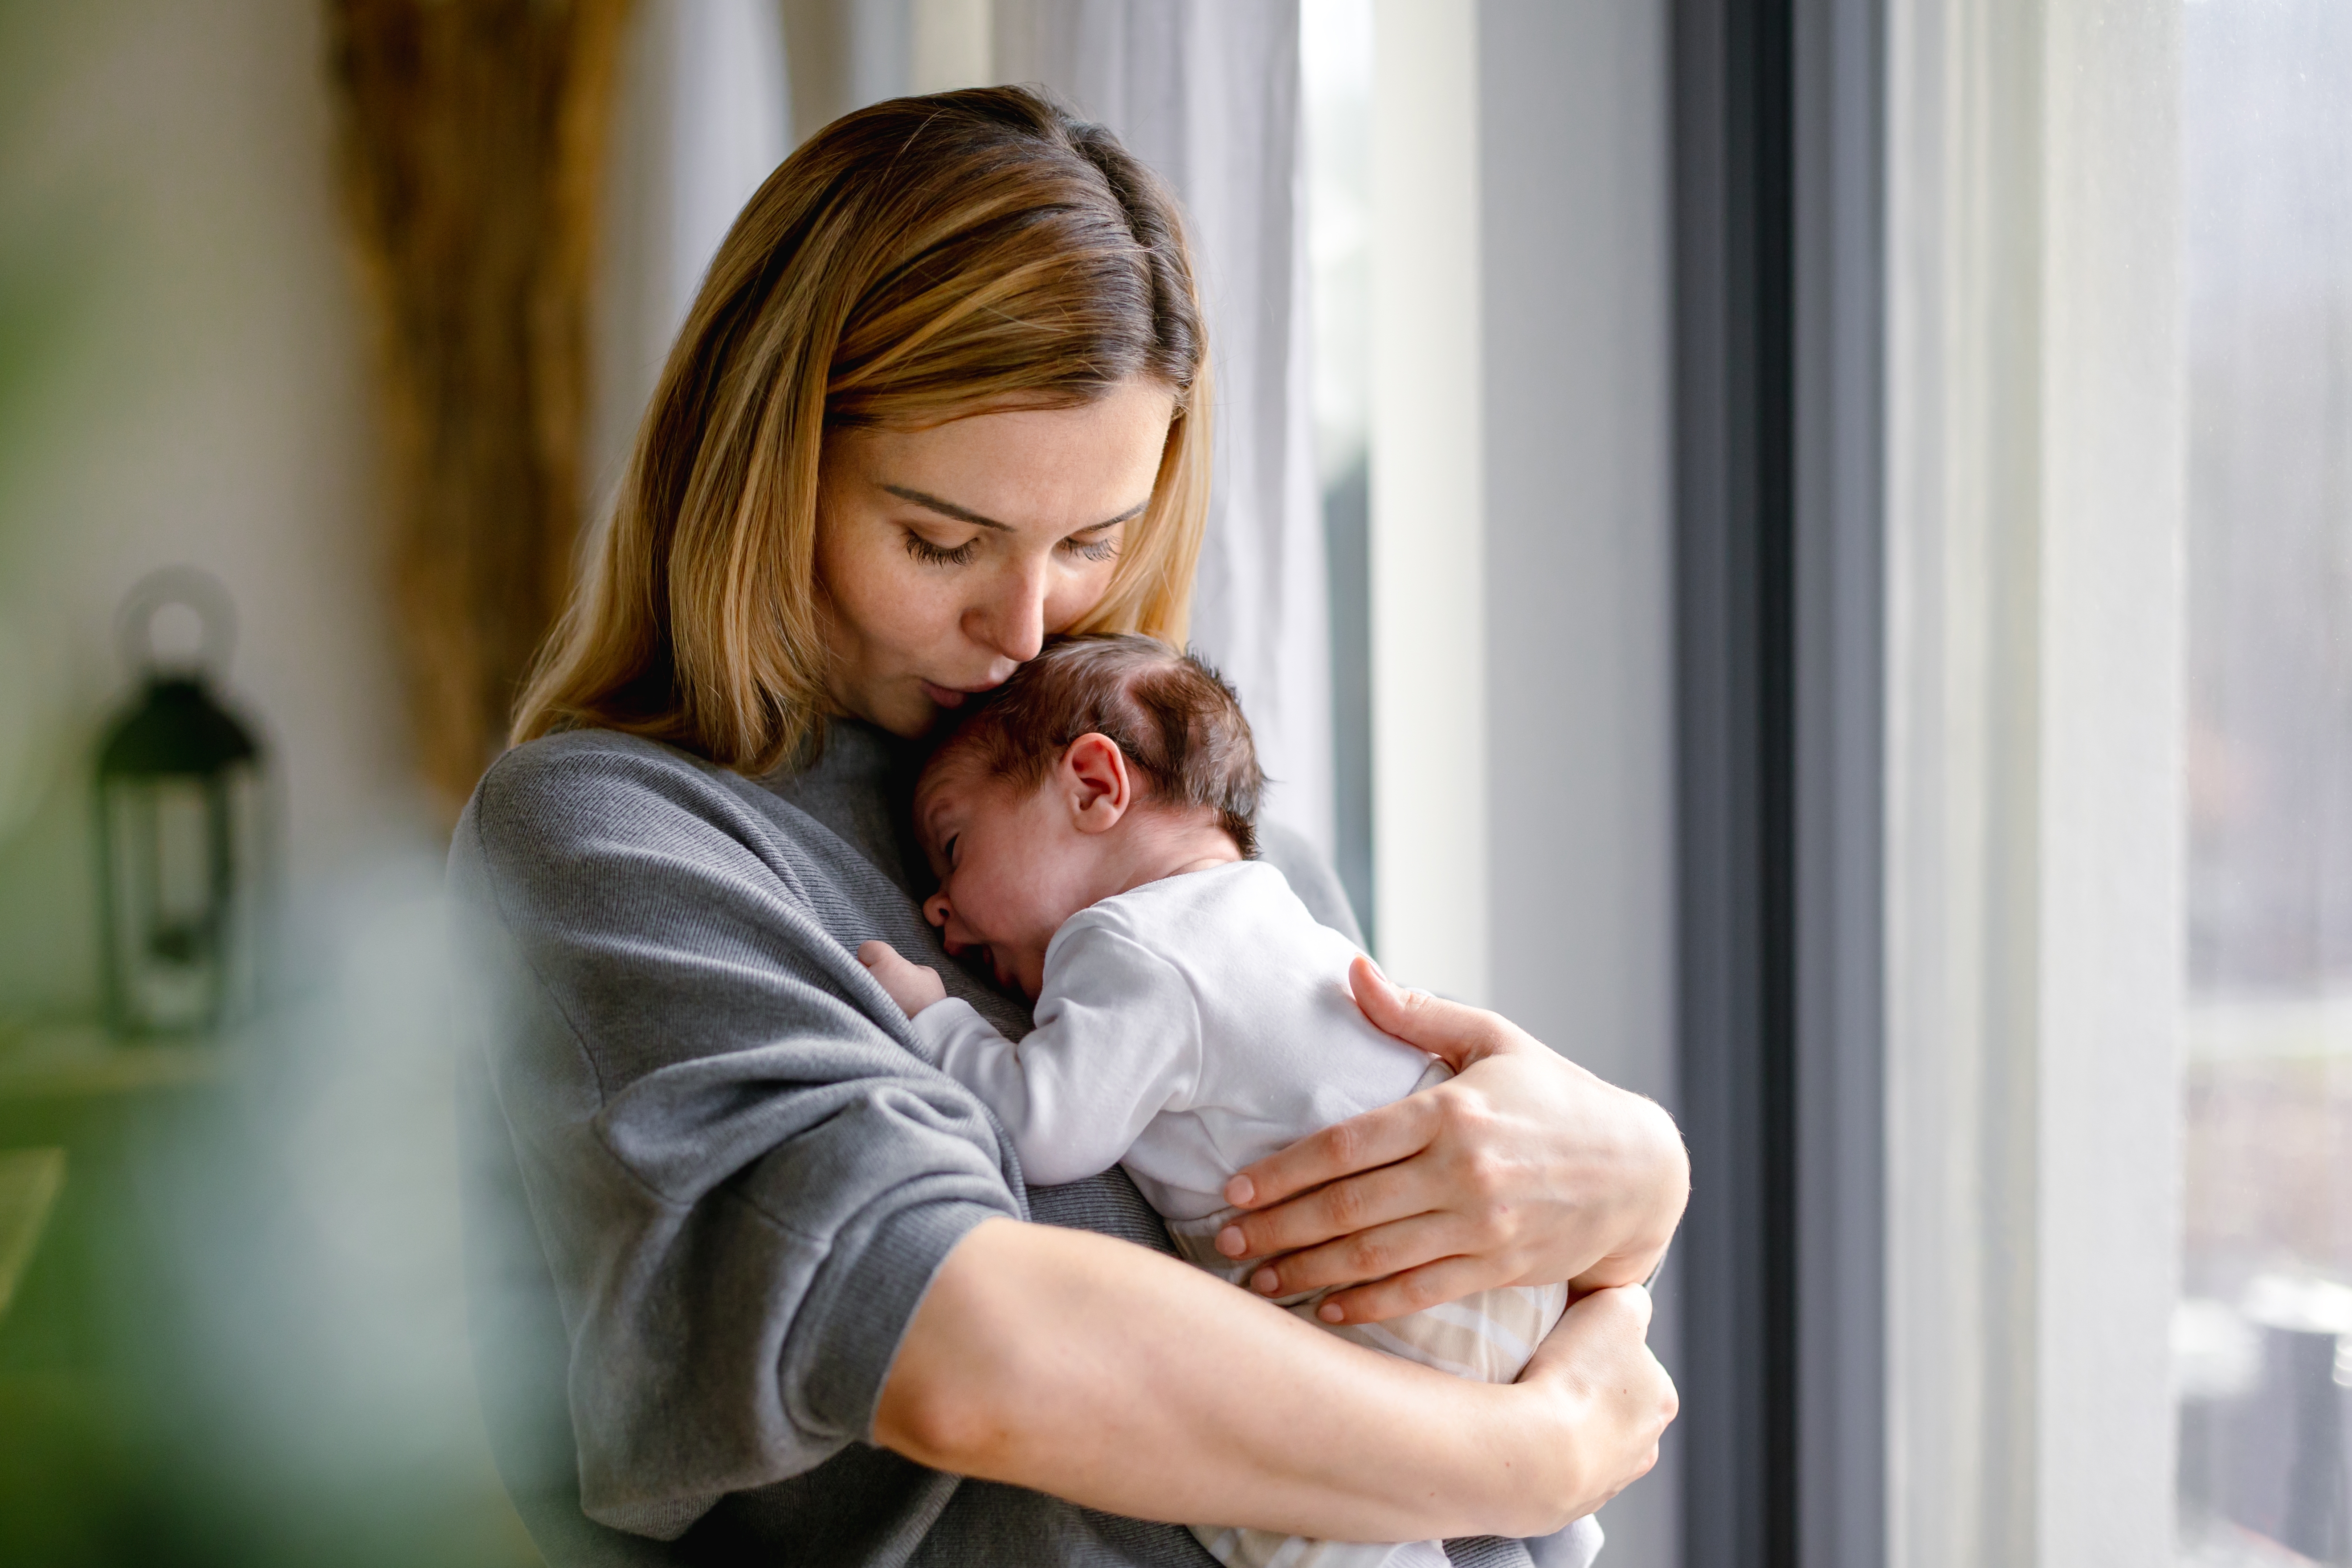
<point>1118,1041</point>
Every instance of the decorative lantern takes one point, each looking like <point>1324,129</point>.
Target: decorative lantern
<point>180,828</point>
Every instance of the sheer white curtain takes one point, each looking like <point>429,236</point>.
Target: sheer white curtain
<point>2035,779</point>
<point>703,116</point>
<point>1208,94</point>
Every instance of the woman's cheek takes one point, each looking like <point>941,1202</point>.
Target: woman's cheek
<point>1075,597</point>
<point>918,606</point>
<point>861,577</point>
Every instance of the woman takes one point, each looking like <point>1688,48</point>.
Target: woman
<point>943,394</point>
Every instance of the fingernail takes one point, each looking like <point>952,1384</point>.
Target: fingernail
<point>1230,1242</point>
<point>1241,1192</point>
<point>1266,1282</point>
<point>1330,1312</point>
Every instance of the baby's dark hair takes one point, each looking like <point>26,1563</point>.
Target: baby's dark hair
<point>1180,724</point>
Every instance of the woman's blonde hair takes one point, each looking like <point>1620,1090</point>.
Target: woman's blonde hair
<point>913,262</point>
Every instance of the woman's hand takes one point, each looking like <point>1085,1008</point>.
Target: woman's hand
<point>1522,1169</point>
<point>1619,1399</point>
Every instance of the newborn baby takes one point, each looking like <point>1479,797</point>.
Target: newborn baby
<point>1092,825</point>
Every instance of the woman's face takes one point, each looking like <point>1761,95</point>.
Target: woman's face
<point>945,556</point>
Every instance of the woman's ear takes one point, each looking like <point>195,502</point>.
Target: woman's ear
<point>1094,778</point>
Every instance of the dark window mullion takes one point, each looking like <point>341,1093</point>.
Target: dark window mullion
<point>1737,770</point>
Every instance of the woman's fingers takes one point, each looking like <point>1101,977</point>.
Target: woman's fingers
<point>1379,1137</point>
<point>1378,1196</point>
<point>1374,1252</point>
<point>1448,1030</point>
<point>1443,1279</point>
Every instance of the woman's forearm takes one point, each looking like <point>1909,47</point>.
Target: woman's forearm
<point>1081,1366</point>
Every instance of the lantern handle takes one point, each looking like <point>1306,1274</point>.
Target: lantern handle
<point>185,585</point>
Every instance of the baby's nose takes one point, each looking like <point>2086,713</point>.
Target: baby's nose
<point>935,909</point>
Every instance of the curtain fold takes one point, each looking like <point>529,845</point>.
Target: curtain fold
<point>470,141</point>
<point>701,115</point>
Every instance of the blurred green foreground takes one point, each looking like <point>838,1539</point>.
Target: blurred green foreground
<point>240,1337</point>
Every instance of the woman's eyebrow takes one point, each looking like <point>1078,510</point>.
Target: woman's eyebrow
<point>949,509</point>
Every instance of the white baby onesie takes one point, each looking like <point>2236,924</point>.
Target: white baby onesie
<point>1190,1028</point>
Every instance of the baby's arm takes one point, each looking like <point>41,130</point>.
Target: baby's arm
<point>1117,1042</point>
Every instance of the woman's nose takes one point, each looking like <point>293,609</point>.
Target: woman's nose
<point>1011,622</point>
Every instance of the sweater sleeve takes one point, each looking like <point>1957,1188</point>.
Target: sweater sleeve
<point>741,1176</point>
<point>1117,1040</point>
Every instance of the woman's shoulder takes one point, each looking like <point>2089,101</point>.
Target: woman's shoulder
<point>576,769</point>
<point>587,812</point>
<point>580,753</point>
<point>562,794</point>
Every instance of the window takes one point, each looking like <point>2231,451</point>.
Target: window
<point>2262,1338</point>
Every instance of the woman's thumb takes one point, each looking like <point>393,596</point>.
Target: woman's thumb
<point>1445,1029</point>
<point>1598,1331</point>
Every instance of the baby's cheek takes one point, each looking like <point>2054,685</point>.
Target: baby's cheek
<point>983,881</point>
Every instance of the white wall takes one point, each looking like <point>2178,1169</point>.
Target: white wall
<point>1576,272</point>
<point>199,398</point>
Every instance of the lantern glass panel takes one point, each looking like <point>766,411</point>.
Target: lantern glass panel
<point>183,852</point>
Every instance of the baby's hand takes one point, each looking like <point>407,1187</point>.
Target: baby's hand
<point>910,985</point>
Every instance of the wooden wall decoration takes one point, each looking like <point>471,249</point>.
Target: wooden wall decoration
<point>471,146</point>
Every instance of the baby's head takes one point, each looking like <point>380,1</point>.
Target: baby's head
<point>1106,761</point>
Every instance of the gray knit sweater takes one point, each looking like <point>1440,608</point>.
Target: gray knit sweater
<point>708,1173</point>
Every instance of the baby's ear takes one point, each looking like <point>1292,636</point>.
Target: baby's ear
<point>1094,775</point>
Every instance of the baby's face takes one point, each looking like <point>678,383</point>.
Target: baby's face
<point>1012,864</point>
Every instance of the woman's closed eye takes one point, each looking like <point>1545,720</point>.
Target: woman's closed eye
<point>931,554</point>
<point>1092,546</point>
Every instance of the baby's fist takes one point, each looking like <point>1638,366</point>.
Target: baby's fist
<point>910,985</point>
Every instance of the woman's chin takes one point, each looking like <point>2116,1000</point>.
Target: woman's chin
<point>909,708</point>
<point>904,710</point>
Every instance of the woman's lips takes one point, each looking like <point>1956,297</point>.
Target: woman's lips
<point>953,697</point>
